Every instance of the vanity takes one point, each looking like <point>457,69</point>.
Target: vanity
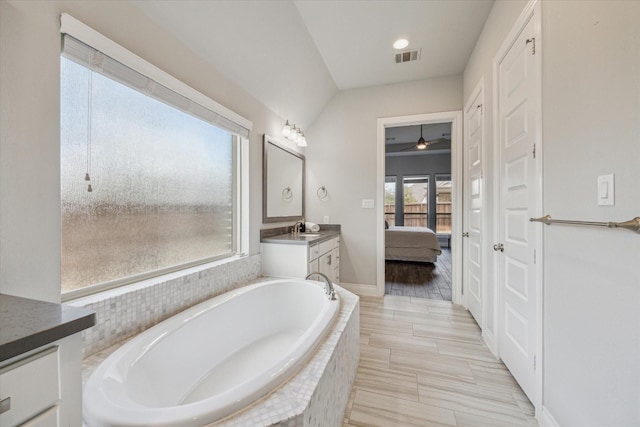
<point>297,255</point>
<point>286,254</point>
<point>41,362</point>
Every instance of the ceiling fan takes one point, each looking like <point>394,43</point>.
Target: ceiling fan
<point>423,144</point>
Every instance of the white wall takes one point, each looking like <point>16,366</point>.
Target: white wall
<point>342,157</point>
<point>29,126</point>
<point>591,126</point>
<point>499,23</point>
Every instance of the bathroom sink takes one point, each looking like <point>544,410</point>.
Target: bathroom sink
<point>308,235</point>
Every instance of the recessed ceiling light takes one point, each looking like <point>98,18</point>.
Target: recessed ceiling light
<point>400,43</point>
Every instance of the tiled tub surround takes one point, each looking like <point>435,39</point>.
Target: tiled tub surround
<point>317,395</point>
<point>124,312</point>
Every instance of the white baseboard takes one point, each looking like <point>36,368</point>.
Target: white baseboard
<point>546,419</point>
<point>360,289</point>
<point>490,340</point>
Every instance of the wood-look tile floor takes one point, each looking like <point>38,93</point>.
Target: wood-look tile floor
<point>420,279</point>
<point>423,363</point>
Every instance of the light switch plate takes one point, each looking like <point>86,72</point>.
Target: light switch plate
<point>606,190</point>
<point>367,204</point>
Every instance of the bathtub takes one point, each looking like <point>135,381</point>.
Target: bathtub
<point>211,360</point>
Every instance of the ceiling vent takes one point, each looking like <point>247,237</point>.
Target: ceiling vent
<point>407,56</point>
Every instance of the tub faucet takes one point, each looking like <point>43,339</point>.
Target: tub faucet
<point>328,287</point>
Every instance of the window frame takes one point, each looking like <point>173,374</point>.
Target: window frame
<point>445,177</point>
<point>240,155</point>
<point>388,179</point>
<point>416,177</point>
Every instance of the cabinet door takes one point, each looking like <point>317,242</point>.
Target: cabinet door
<point>30,385</point>
<point>326,264</point>
<point>313,268</point>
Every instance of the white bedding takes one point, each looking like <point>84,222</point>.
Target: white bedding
<point>411,244</point>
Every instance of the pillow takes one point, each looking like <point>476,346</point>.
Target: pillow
<point>386,224</point>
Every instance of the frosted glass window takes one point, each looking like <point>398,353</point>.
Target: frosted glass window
<point>145,188</point>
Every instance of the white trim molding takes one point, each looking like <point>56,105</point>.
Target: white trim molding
<point>360,289</point>
<point>546,419</point>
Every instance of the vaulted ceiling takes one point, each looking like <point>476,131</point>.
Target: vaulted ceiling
<point>294,56</point>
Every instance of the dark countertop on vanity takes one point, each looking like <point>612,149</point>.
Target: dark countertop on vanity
<point>26,324</point>
<point>325,233</point>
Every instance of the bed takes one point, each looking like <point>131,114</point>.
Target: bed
<point>418,244</point>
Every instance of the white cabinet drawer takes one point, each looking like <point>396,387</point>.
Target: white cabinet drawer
<point>328,245</point>
<point>32,385</point>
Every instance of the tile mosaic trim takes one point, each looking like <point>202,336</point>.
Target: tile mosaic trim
<point>124,312</point>
<point>317,395</point>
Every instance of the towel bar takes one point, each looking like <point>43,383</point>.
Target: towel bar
<point>631,225</point>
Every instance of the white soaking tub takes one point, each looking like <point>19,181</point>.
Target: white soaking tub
<point>212,359</point>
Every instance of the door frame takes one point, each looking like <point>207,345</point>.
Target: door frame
<point>455,118</point>
<point>479,89</point>
<point>532,11</point>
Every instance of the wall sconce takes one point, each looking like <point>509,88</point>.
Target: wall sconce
<point>294,134</point>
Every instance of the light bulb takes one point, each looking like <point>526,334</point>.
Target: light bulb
<point>286,130</point>
<point>303,140</point>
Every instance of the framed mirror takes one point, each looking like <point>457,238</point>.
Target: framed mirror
<point>282,182</point>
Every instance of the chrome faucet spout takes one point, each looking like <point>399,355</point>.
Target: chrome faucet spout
<point>328,287</point>
<point>297,227</point>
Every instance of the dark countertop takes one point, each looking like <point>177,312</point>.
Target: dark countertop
<point>26,324</point>
<point>301,238</point>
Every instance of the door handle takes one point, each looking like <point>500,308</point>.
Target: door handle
<point>465,234</point>
<point>5,405</point>
<point>498,247</point>
<point>329,260</point>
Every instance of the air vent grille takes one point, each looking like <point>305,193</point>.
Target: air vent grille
<point>407,56</point>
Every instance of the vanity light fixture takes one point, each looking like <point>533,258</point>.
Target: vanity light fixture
<point>400,44</point>
<point>294,134</point>
<point>286,130</point>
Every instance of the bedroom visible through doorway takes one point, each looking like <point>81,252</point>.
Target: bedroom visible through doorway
<point>418,211</point>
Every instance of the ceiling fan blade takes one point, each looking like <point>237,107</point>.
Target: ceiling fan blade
<point>437,141</point>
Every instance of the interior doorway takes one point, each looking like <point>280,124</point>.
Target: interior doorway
<point>419,198</point>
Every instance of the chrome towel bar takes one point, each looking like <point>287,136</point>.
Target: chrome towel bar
<point>631,225</point>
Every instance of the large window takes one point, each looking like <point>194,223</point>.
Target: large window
<point>416,201</point>
<point>145,187</point>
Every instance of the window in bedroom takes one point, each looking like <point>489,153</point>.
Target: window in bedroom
<point>390,199</point>
<point>416,201</point>
<point>149,178</point>
<point>443,204</point>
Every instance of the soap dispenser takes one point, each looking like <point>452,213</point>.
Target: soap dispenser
<point>302,227</point>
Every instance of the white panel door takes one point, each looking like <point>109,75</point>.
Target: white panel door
<point>517,281</point>
<point>473,196</point>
